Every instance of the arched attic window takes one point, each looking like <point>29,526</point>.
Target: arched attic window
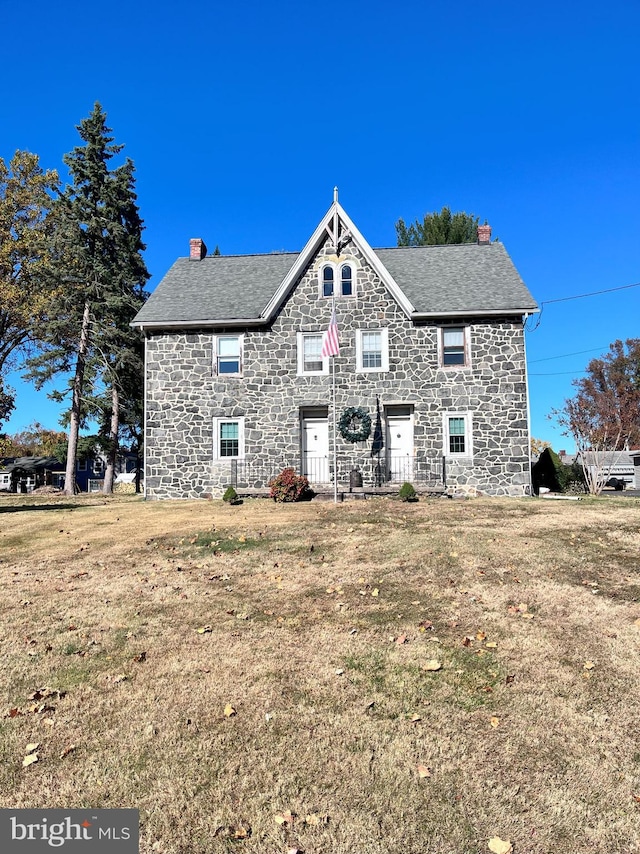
<point>337,280</point>
<point>327,281</point>
<point>346,280</point>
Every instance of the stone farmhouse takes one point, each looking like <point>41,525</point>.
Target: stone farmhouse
<point>431,376</point>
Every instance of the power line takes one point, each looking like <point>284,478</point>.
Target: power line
<point>559,374</point>
<point>538,318</point>
<point>593,294</point>
<point>566,355</point>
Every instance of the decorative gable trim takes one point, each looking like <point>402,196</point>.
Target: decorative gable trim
<point>329,224</point>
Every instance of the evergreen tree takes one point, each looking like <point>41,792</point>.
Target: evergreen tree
<point>438,228</point>
<point>98,250</point>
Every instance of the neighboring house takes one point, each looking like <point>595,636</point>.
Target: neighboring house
<point>431,347</point>
<point>90,471</point>
<point>24,474</point>
<point>617,467</point>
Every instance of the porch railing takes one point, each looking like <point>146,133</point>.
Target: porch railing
<point>422,469</point>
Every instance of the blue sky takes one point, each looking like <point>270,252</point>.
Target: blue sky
<point>240,121</point>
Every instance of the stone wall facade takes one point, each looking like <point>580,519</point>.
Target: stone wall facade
<point>185,395</point>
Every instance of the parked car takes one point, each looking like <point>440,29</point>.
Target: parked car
<point>617,483</point>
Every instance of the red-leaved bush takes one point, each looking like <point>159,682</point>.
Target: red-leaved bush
<point>288,486</point>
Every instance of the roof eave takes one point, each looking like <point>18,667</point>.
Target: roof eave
<point>497,312</point>
<point>197,324</point>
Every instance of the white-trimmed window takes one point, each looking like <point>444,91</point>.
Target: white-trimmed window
<point>338,279</point>
<point>346,280</point>
<point>372,349</point>
<point>310,360</point>
<point>453,345</point>
<point>228,355</point>
<point>327,280</point>
<point>457,434</point>
<point>229,438</point>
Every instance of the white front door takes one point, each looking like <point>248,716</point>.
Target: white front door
<point>315,449</point>
<point>400,448</point>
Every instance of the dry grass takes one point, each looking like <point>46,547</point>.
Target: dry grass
<point>303,605</point>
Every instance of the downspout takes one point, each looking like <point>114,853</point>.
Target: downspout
<point>526,317</point>
<point>144,420</point>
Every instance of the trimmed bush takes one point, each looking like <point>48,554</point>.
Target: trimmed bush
<point>289,486</point>
<point>407,492</point>
<point>230,496</point>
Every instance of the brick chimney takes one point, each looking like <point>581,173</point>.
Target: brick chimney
<point>484,234</point>
<point>197,249</point>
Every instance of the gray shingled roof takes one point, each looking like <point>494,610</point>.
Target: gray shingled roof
<point>220,287</point>
<point>436,279</point>
<point>458,278</point>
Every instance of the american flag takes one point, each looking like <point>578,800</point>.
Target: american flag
<point>330,344</point>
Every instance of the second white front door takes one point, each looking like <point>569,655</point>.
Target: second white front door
<point>400,447</point>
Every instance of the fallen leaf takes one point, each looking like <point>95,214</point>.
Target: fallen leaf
<point>467,640</point>
<point>589,665</point>
<point>142,656</point>
<point>375,591</point>
<point>401,639</point>
<point>423,771</point>
<point>495,722</point>
<point>432,665</point>
<point>481,636</point>
<point>32,746</point>
<point>229,711</point>
<point>314,820</point>
<point>339,672</point>
<point>491,645</point>
<point>241,831</point>
<point>500,846</point>
<point>204,630</point>
<point>636,798</point>
<point>29,760</point>
<point>67,751</point>
<point>415,718</point>
<point>286,817</point>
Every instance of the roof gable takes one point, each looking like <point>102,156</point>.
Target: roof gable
<point>342,231</point>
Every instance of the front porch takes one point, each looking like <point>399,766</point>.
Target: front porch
<point>358,475</point>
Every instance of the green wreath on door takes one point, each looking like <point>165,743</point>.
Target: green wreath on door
<point>355,424</point>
